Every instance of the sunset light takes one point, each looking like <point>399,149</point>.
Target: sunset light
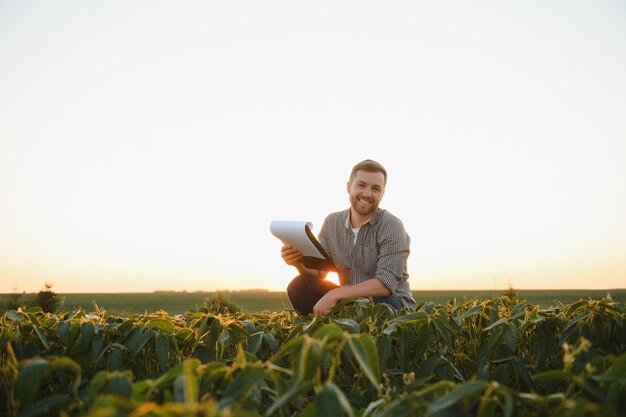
<point>148,146</point>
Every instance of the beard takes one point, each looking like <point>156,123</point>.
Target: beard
<point>362,207</point>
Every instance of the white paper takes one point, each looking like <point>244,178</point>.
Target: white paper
<point>294,233</point>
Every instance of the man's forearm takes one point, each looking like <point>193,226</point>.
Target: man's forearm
<point>370,288</point>
<point>303,270</point>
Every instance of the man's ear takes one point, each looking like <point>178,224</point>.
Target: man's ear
<point>348,187</point>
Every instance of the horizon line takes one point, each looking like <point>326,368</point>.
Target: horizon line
<point>252,290</point>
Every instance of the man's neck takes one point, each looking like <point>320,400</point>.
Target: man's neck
<point>357,220</point>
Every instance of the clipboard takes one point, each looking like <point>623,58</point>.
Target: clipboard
<point>299,235</point>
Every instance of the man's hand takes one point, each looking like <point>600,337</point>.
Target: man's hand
<point>291,255</point>
<point>370,288</point>
<point>325,303</point>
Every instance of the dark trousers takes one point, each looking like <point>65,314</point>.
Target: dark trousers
<point>305,291</point>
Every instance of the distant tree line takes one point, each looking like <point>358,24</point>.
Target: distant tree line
<point>46,299</point>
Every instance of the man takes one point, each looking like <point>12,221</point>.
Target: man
<point>368,245</point>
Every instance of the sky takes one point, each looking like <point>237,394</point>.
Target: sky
<point>148,145</point>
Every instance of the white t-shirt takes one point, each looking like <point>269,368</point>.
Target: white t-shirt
<point>355,230</point>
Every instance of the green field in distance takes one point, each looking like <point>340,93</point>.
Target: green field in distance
<point>258,301</point>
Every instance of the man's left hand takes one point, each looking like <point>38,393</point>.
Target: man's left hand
<point>325,303</point>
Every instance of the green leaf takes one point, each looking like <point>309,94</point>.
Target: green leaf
<point>509,404</point>
<point>254,342</point>
<point>15,315</point>
<point>574,306</point>
<point>618,368</point>
<point>292,393</point>
<point>165,325</point>
<point>458,393</point>
<point>63,330</point>
<point>473,311</point>
<point>31,374</point>
<point>326,403</point>
<point>340,396</point>
<point>211,337</point>
<point>425,336</point>
<point>186,384</point>
<point>97,384</point>
<point>366,354</point>
<point>550,380</point>
<point>308,411</point>
<point>137,340</point>
<point>616,394</point>
<point>213,372</point>
<point>329,332</point>
<point>73,333</point>
<point>141,391</point>
<point>168,378</point>
<point>495,324</point>
<point>249,326</point>
<point>592,389</point>
<point>353,326</point>
<point>270,340</point>
<point>309,324</point>
<point>290,347</point>
<point>504,360</point>
<point>453,369</point>
<point>384,350</point>
<point>444,329</point>
<point>87,332</point>
<point>392,328</point>
<point>510,336</point>
<point>435,389</point>
<point>114,360</point>
<point>162,348</point>
<point>183,333</point>
<point>120,384</point>
<point>371,407</point>
<point>45,405</point>
<point>428,366</point>
<point>532,315</point>
<point>487,407</point>
<point>308,359</point>
<point>42,337</point>
<point>572,324</point>
<point>245,380</point>
<point>68,364</point>
<point>410,317</point>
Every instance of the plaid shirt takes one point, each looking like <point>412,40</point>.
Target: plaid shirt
<point>381,251</point>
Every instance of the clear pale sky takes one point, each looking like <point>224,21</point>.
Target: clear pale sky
<point>148,145</point>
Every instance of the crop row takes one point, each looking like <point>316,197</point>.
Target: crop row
<point>489,358</point>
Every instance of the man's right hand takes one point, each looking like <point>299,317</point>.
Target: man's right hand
<point>291,255</point>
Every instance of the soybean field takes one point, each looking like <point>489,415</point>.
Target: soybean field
<point>492,357</point>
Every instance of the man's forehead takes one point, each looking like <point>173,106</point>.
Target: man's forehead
<point>370,177</point>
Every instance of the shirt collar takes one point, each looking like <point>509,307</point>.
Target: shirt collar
<point>373,218</point>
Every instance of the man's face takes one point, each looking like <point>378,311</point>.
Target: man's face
<point>366,190</point>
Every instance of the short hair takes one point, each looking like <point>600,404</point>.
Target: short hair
<point>369,165</point>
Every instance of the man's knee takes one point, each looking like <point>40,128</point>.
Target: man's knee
<point>295,284</point>
<point>297,287</point>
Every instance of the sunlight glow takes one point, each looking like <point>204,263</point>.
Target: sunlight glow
<point>149,147</point>
<point>332,277</point>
